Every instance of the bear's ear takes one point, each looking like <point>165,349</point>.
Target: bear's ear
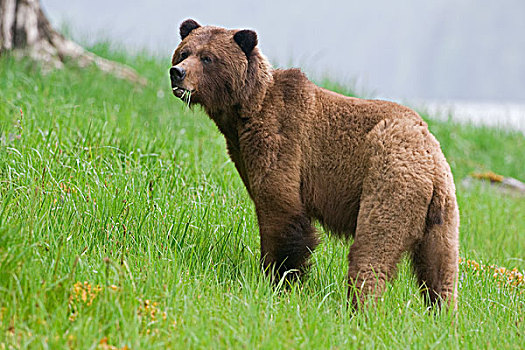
<point>186,27</point>
<point>247,40</point>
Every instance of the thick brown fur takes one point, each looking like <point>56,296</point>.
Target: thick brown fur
<point>366,169</point>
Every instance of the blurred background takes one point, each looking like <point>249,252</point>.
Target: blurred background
<point>465,57</point>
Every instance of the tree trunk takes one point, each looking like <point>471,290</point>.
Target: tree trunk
<point>25,30</point>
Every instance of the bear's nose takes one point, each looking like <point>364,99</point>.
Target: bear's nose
<point>177,74</point>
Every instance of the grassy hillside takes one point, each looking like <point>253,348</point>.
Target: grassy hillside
<point>123,223</point>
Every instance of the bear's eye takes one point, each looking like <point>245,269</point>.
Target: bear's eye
<point>184,55</point>
<point>206,59</point>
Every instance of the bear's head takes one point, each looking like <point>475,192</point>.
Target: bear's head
<point>218,68</point>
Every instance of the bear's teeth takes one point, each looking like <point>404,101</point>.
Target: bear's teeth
<point>177,91</point>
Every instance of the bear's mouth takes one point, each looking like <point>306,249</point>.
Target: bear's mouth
<point>181,92</point>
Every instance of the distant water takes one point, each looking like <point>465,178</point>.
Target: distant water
<point>504,115</point>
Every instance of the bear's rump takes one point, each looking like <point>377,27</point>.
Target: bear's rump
<point>396,150</point>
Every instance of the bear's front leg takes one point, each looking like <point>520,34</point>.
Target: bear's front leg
<point>287,240</point>
<point>272,160</point>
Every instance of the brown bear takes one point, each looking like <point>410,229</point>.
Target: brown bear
<point>366,169</point>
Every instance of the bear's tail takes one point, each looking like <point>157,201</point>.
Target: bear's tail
<point>436,209</point>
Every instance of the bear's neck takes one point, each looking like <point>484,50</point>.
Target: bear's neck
<point>259,80</point>
<point>249,99</point>
<point>228,122</point>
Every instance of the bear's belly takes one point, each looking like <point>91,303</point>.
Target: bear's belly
<point>334,202</point>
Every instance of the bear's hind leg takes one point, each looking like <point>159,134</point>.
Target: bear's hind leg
<point>388,225</point>
<point>393,207</point>
<point>435,259</point>
<point>366,276</point>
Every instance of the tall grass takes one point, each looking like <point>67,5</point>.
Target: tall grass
<point>124,223</point>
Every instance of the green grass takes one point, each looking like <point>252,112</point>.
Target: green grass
<point>125,188</point>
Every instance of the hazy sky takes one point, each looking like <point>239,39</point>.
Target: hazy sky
<point>411,49</point>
